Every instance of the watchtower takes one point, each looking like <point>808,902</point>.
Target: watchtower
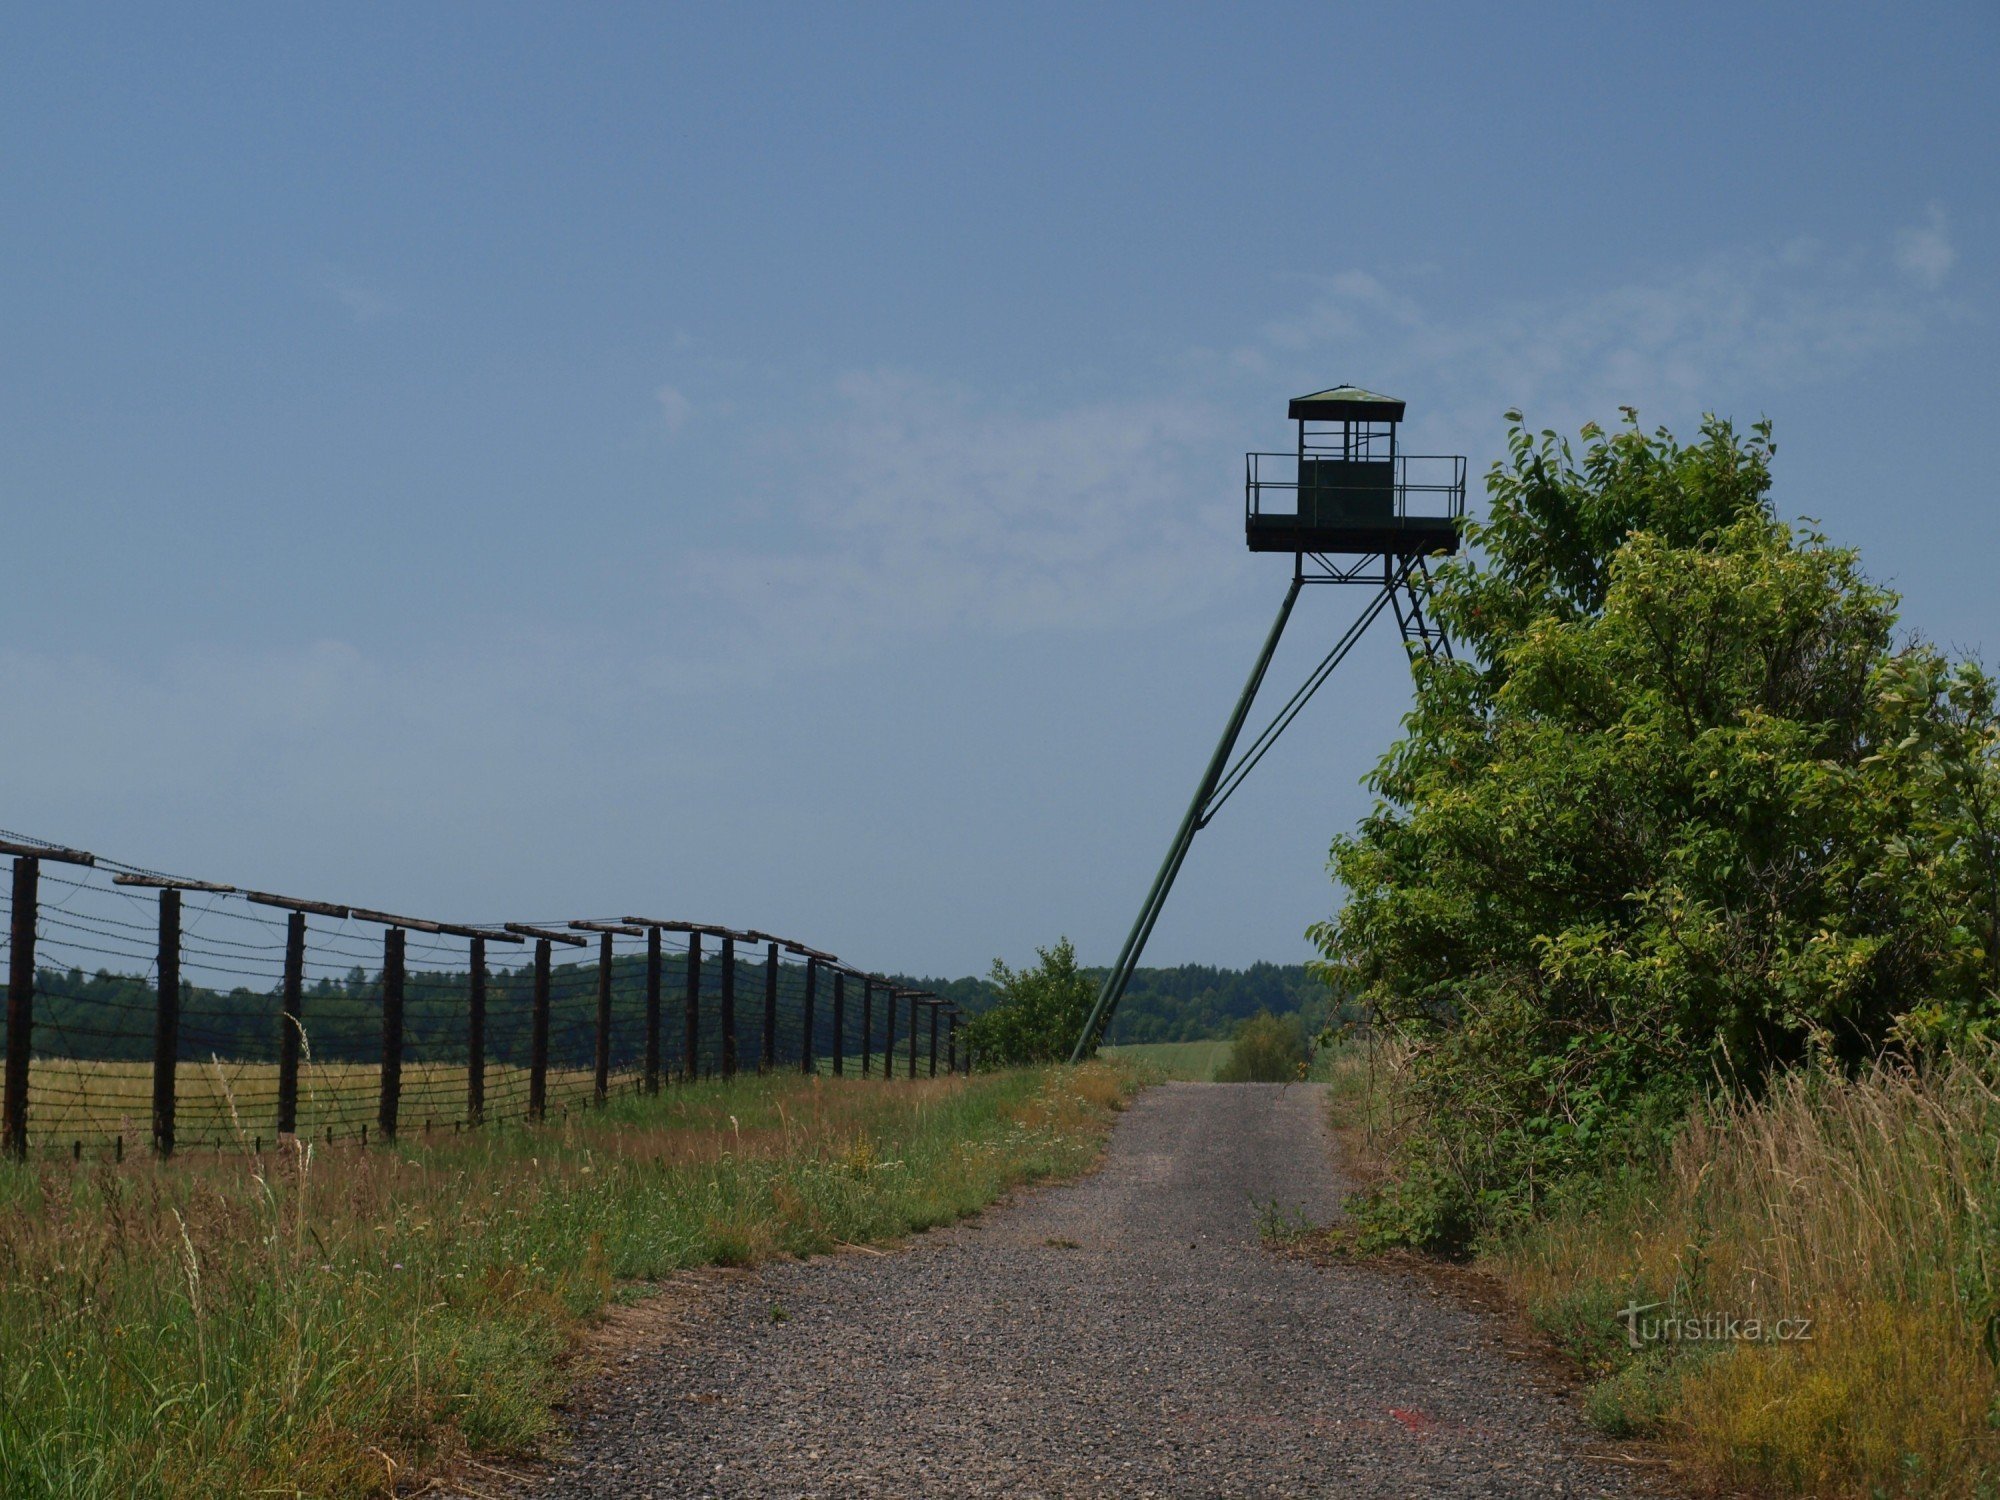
<point>1350,507</point>
<point>1346,488</point>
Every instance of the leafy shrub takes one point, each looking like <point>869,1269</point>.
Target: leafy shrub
<point>1040,1013</point>
<point>1681,810</point>
<point>1267,1049</point>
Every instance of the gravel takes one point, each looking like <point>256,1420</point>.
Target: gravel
<point>1125,1335</point>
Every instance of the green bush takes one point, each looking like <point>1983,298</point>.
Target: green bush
<point>1267,1049</point>
<point>1040,1013</point>
<point>1681,810</point>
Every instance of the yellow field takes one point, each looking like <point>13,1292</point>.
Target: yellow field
<point>235,1104</point>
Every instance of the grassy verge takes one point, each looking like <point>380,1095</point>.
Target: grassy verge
<point>1820,1270</point>
<point>328,1322</point>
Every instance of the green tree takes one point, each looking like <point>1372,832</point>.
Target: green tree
<point>1267,1049</point>
<point>1040,1011</point>
<point>1682,810</point>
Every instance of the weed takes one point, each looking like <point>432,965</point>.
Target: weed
<point>1280,1227</point>
<point>341,1319</point>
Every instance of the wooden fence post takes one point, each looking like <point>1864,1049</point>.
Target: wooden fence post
<point>475,1036</point>
<point>770,1053</point>
<point>291,1025</point>
<point>839,1022</point>
<point>728,1005</point>
<point>933,1011</point>
<point>912,1071</point>
<point>951,1043</point>
<point>538,1036</point>
<point>600,1082</point>
<point>20,1004</point>
<point>652,1010</point>
<point>867,1024</point>
<point>889,1041</point>
<point>807,1040</point>
<point>166,1021</point>
<point>392,1031</point>
<point>691,1057</point>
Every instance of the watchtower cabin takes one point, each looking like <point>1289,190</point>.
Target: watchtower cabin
<point>1348,488</point>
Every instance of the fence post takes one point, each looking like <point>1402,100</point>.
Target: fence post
<point>771,1010</point>
<point>475,1036</point>
<point>839,1022</point>
<point>951,1043</point>
<point>807,1062</point>
<point>691,1058</point>
<point>912,1071</point>
<point>889,1041</point>
<point>20,1003</point>
<point>728,1005</point>
<point>600,1082</point>
<point>392,1031</point>
<point>291,1025</point>
<point>538,1036</point>
<point>867,1025</point>
<point>166,1020</point>
<point>652,1010</point>
<point>934,1011</point>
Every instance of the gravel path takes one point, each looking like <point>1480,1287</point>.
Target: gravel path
<point>1126,1335</point>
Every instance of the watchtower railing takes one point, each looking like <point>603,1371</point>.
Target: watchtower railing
<point>1423,486</point>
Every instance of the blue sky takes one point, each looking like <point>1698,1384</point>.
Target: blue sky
<point>781,466</point>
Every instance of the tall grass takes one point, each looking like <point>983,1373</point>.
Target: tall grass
<point>1870,1206</point>
<point>331,1320</point>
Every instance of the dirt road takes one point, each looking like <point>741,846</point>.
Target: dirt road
<point>1127,1335</point>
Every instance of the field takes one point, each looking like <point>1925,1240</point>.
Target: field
<point>234,1105</point>
<point>1195,1062</point>
<point>343,1320</point>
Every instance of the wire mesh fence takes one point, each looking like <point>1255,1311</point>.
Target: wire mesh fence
<point>150,1010</point>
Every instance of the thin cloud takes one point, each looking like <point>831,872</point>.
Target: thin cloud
<point>1737,324</point>
<point>935,508</point>
<point>675,408</point>
<point>931,509</point>
<point>363,303</point>
<point>1925,251</point>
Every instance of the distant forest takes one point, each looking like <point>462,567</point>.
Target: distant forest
<point>1192,1003</point>
<point>110,1016</point>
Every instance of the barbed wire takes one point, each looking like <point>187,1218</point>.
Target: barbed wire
<point>99,1019</point>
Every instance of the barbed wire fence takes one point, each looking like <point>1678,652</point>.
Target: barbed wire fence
<point>151,1010</point>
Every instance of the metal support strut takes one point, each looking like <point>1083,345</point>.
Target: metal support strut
<point>1404,580</point>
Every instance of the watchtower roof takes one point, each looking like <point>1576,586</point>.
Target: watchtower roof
<point>1345,403</point>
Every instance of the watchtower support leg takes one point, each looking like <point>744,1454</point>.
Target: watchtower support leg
<point>1135,941</point>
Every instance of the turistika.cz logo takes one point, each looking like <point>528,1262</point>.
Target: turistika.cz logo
<point>1707,1327</point>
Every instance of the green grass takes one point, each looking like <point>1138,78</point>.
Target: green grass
<point>337,1322</point>
<point>1194,1062</point>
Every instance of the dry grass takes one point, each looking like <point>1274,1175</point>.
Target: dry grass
<point>1870,1206</point>
<point>333,1321</point>
<point>1362,1100</point>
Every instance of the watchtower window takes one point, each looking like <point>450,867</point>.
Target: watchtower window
<point>1354,441</point>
